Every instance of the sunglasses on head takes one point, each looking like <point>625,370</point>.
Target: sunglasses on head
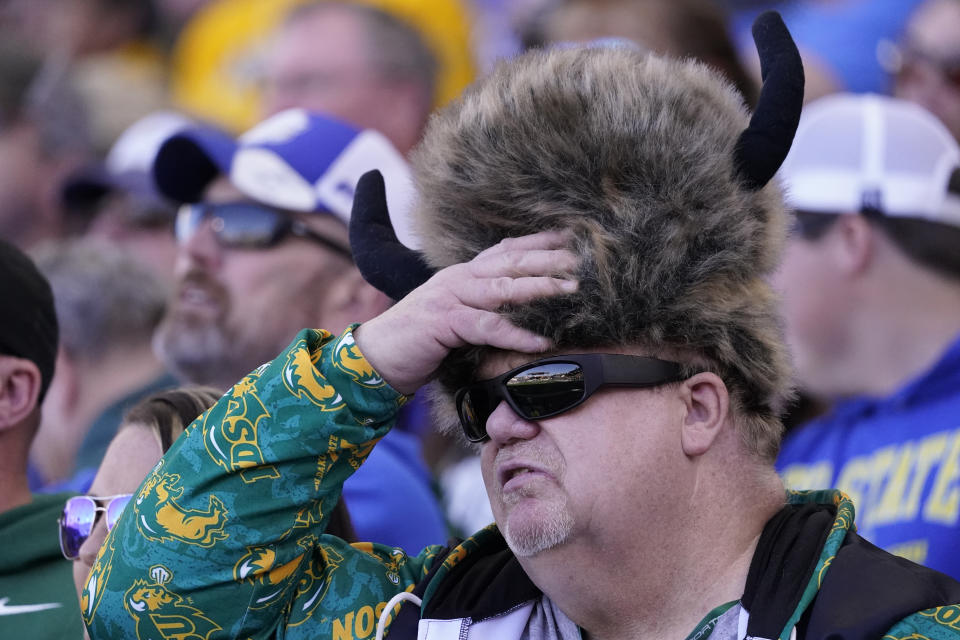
<point>80,515</point>
<point>548,387</point>
<point>246,225</point>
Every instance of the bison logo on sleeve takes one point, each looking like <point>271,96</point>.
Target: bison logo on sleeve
<point>161,614</point>
<point>347,358</point>
<point>301,378</point>
<point>160,517</point>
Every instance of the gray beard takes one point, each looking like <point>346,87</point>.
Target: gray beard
<point>203,354</point>
<point>549,531</point>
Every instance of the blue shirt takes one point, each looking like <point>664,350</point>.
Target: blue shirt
<point>898,457</point>
<point>390,498</point>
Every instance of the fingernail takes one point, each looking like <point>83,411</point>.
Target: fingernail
<point>569,285</point>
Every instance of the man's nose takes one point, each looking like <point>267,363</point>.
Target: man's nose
<point>200,248</point>
<point>87,553</point>
<point>505,426</point>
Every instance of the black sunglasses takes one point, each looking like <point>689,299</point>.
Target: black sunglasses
<point>550,386</point>
<point>246,225</point>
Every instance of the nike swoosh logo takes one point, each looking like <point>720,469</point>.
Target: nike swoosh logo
<point>12,610</point>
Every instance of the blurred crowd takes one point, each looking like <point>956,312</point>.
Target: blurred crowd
<point>134,132</point>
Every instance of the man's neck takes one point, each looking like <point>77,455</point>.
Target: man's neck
<point>16,491</point>
<point>901,337</point>
<point>652,584</point>
<point>104,382</point>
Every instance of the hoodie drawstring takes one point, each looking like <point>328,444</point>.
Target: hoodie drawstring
<point>394,601</point>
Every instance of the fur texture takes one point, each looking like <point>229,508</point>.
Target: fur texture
<point>632,152</point>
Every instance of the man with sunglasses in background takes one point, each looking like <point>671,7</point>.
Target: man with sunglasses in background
<point>263,252</point>
<point>600,323</point>
<point>871,301</point>
<point>36,600</point>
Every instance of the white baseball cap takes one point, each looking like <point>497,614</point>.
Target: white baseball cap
<point>857,152</point>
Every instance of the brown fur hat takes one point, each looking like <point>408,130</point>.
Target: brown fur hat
<point>635,154</point>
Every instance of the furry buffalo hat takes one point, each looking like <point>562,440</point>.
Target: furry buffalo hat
<point>659,171</point>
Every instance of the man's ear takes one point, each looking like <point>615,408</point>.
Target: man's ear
<point>707,407</point>
<point>20,382</point>
<point>348,298</point>
<point>354,299</point>
<point>856,243</point>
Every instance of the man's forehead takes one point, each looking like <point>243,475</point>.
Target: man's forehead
<point>297,41</point>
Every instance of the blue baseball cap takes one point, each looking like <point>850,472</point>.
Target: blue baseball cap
<point>295,160</point>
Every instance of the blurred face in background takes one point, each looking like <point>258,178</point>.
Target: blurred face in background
<point>145,232</point>
<point>322,62</point>
<point>235,308</point>
<point>22,191</point>
<point>929,72</point>
<point>816,301</point>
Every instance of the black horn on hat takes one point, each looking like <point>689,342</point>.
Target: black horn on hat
<point>383,260</point>
<point>764,144</point>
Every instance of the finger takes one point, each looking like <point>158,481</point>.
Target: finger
<point>541,240</point>
<point>492,293</point>
<point>478,327</point>
<point>529,262</point>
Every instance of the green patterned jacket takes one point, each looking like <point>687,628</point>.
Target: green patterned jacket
<point>225,538</point>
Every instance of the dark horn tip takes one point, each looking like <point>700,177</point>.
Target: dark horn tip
<point>382,259</point>
<point>764,144</point>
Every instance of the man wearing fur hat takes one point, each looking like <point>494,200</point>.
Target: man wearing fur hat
<point>602,230</point>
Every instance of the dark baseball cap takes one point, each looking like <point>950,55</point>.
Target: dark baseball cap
<point>28,327</point>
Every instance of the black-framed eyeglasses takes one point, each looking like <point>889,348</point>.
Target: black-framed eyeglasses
<point>247,225</point>
<point>80,515</point>
<point>547,387</point>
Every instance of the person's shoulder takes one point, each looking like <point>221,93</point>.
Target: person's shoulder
<point>876,594</point>
<point>937,623</point>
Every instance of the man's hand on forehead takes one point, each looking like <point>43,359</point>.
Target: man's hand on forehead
<point>457,307</point>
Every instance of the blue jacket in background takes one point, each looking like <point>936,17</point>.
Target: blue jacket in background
<point>899,460</point>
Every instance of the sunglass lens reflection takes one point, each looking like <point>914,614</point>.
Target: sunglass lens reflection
<point>188,219</point>
<point>114,509</point>
<point>77,521</point>
<point>247,225</point>
<point>474,412</point>
<point>546,389</point>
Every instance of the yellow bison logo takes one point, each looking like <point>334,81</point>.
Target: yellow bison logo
<point>160,613</point>
<point>258,566</point>
<point>347,358</point>
<point>302,380</point>
<point>160,517</point>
